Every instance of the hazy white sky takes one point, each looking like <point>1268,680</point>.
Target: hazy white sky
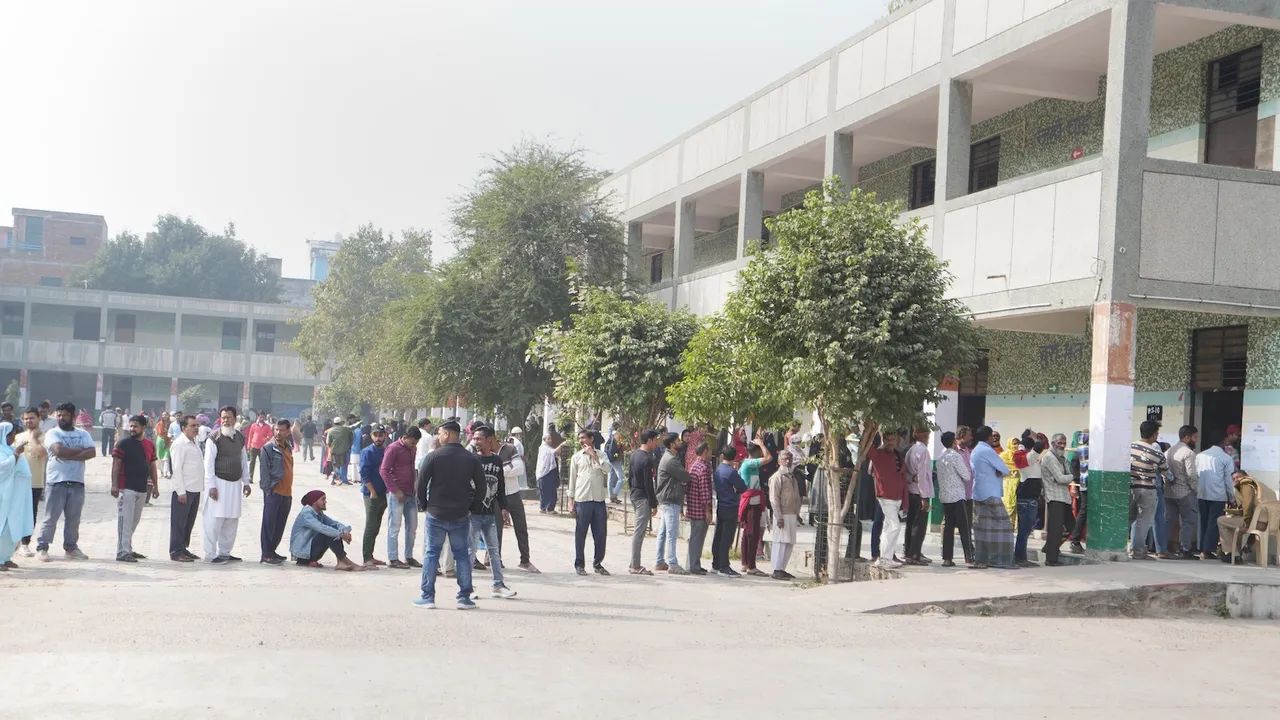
<point>302,119</point>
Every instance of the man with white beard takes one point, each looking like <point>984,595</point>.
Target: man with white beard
<point>226,480</point>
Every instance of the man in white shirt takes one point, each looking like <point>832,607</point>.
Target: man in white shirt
<point>919,469</point>
<point>426,444</point>
<point>47,420</point>
<point>188,483</point>
<point>226,480</point>
<point>588,489</point>
<point>108,420</point>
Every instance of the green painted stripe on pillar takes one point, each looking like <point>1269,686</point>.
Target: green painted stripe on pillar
<point>1108,510</point>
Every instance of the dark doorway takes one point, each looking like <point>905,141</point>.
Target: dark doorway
<point>1220,410</point>
<point>1219,371</point>
<point>972,410</point>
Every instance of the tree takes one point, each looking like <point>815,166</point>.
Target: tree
<point>356,323</point>
<point>616,353</point>
<point>191,398</point>
<point>530,214</point>
<point>896,5</point>
<point>726,380</point>
<point>181,258</point>
<point>335,400</point>
<point>870,332</point>
<point>12,393</point>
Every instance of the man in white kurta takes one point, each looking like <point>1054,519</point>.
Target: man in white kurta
<point>226,484</point>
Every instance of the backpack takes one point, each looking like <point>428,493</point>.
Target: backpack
<point>611,449</point>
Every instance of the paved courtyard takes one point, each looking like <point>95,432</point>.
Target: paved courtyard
<point>162,639</point>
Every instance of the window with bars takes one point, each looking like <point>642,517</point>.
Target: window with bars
<point>1231,109</point>
<point>264,337</point>
<point>655,268</point>
<point>1219,358</point>
<point>974,382</point>
<point>984,164</point>
<point>923,179</point>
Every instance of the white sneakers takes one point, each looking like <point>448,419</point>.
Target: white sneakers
<point>43,555</point>
<point>504,592</point>
<point>25,550</point>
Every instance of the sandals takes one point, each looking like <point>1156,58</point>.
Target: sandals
<point>640,571</point>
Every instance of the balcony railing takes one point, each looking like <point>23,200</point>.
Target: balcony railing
<point>715,248</point>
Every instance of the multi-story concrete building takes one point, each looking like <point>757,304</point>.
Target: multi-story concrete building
<point>45,247</point>
<point>322,252</point>
<point>1097,173</point>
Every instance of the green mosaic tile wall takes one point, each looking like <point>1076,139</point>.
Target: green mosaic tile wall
<point>1041,135</point>
<point>1033,363</point>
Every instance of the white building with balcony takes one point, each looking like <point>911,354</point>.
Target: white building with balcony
<point>1099,175</point>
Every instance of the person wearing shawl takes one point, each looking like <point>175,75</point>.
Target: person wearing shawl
<point>15,497</point>
<point>315,533</point>
<point>1011,481</point>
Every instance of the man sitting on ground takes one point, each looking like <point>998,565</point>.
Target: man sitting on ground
<point>314,533</point>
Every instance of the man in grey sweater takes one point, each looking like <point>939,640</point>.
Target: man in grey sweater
<point>672,481</point>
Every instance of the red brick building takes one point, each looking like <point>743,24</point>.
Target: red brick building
<point>44,247</point>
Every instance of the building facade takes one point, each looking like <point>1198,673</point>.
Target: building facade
<point>1098,175</point>
<point>44,247</point>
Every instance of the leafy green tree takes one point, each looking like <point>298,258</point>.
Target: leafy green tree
<point>616,353</point>
<point>12,393</point>
<point>534,211</point>
<point>870,331</point>
<point>191,398</point>
<point>179,257</point>
<point>336,400</point>
<point>896,5</point>
<point>727,380</point>
<point>356,323</point>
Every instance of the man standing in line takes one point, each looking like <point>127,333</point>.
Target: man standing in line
<point>513,473</point>
<point>993,528</point>
<point>374,490</point>
<point>643,496</point>
<point>669,490</point>
<point>1081,461</point>
<point>175,431</point>
<point>729,489</point>
<point>226,483</point>
<point>448,483</point>
<point>69,448</point>
<point>490,498</point>
<point>892,494</point>
<point>133,479</point>
<point>108,420</point>
<point>955,481</point>
<point>258,435</point>
<point>1057,497</point>
<point>586,497</point>
<point>276,482</point>
<point>188,484</point>
<point>47,420</point>
<point>548,471</point>
<point>1146,461</point>
<point>613,456</point>
<point>398,474</point>
<point>32,441</point>
<point>698,506</point>
<point>1180,495</point>
<point>784,498</point>
<point>308,439</point>
<point>425,445</point>
<point>1215,489</point>
<point>7,414</point>
<point>338,440</point>
<point>919,470</point>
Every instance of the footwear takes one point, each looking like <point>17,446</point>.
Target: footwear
<point>219,561</point>
<point>698,571</point>
<point>1188,555</point>
<point>25,550</point>
<point>398,565</point>
<point>948,563</point>
<point>477,565</point>
<point>180,558</point>
<point>909,561</point>
<point>1053,563</point>
<point>1208,556</point>
<point>425,604</point>
<point>529,568</point>
<point>450,573</point>
<point>466,604</point>
<point>75,554</point>
<point>601,571</point>
<point>1143,556</point>
<point>787,576</point>
<point>503,592</point>
<point>412,563</point>
<point>924,560</point>
<point>581,571</point>
<point>728,572</point>
<point>640,571</point>
<point>43,555</point>
<point>139,556</point>
<point>368,565</point>
<point>10,565</point>
<point>756,572</point>
<point>677,570</point>
<point>126,558</point>
<point>1025,564</point>
<point>233,558</point>
<point>376,562</point>
<point>271,561</point>
<point>1077,548</point>
<point>778,575</point>
<point>661,567</point>
<point>188,553</point>
<point>1163,556</point>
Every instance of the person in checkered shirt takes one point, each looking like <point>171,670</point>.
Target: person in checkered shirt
<point>699,505</point>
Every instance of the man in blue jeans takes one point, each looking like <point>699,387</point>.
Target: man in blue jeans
<point>1214,467</point>
<point>69,448</point>
<point>447,485</point>
<point>586,498</point>
<point>490,498</point>
<point>613,456</point>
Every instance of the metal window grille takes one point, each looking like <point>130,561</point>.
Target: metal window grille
<point>1235,84</point>
<point>974,382</point>
<point>923,181</point>
<point>1219,358</point>
<point>984,164</point>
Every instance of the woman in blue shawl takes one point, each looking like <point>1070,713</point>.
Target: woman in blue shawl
<point>15,497</point>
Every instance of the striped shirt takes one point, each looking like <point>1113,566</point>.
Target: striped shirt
<point>1146,461</point>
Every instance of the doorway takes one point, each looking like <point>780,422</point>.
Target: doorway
<point>1219,371</point>
<point>972,408</point>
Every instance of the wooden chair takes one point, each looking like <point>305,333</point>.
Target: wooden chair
<point>1268,512</point>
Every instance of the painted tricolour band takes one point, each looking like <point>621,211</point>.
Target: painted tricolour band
<point>1115,327</point>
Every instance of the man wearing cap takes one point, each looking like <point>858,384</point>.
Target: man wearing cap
<point>338,439</point>
<point>315,533</point>
<point>374,490</point>
<point>1229,444</point>
<point>447,485</point>
<point>226,479</point>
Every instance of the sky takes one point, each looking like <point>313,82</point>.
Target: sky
<point>299,120</point>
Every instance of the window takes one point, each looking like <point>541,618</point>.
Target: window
<point>923,177</point>
<point>87,325</point>
<point>265,338</point>
<point>655,268</point>
<point>51,281</point>
<point>78,241</point>
<point>1219,358</point>
<point>126,328</point>
<point>1235,88</point>
<point>34,237</point>
<point>12,321</point>
<point>984,164</point>
<point>231,335</point>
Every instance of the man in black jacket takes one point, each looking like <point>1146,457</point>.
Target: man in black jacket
<point>644,498</point>
<point>447,485</point>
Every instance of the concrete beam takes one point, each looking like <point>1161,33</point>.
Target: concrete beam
<point>1043,83</point>
<point>1251,11</point>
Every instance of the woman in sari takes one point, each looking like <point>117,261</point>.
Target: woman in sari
<point>15,497</point>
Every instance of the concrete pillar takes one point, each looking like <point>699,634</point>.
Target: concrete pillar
<point>177,340</point>
<point>244,400</point>
<point>23,400</point>
<point>173,395</point>
<point>955,135</point>
<point>634,257</point>
<point>1115,319</point>
<point>838,160</point>
<point>686,216</point>
<point>750,209</point>
<point>97,394</point>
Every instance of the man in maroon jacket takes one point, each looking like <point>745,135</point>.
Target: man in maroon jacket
<point>891,493</point>
<point>398,473</point>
